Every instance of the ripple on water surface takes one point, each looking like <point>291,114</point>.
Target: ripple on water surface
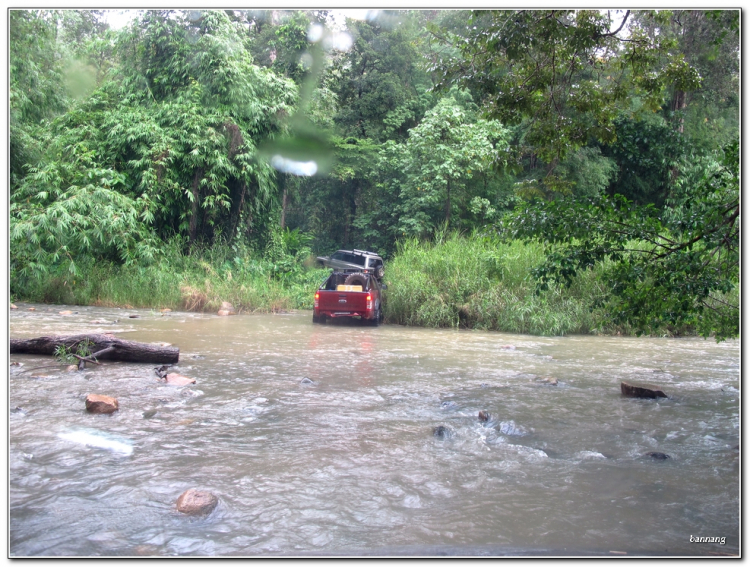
<point>321,440</point>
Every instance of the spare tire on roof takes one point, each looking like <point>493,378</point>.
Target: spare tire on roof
<point>356,279</point>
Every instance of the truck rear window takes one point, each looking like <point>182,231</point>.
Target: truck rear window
<point>354,259</point>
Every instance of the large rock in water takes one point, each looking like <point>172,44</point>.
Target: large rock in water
<point>178,379</point>
<point>195,502</point>
<point>96,403</point>
<point>226,309</point>
<point>639,392</point>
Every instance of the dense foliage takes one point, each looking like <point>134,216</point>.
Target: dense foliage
<point>605,140</point>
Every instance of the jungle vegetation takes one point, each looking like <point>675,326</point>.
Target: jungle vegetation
<point>543,171</point>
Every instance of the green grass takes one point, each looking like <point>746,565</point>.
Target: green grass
<point>198,282</point>
<point>456,281</point>
<point>481,283</point>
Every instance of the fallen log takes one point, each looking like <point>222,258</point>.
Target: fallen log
<point>104,347</point>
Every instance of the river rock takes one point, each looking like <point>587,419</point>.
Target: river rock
<point>178,380</point>
<point>631,391</point>
<point>510,428</point>
<point>96,403</point>
<point>306,381</point>
<point>134,316</point>
<point>226,309</point>
<point>483,416</point>
<point>71,368</point>
<point>13,306</point>
<point>658,456</point>
<point>67,312</point>
<point>166,311</point>
<point>193,502</point>
<point>32,308</point>
<point>442,432</point>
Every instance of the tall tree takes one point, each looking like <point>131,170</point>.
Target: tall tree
<point>564,74</point>
<point>442,153</point>
<point>170,147</point>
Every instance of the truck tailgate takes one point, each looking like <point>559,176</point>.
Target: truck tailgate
<point>343,301</point>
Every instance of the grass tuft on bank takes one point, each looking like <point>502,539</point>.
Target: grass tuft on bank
<point>200,281</point>
<point>481,283</point>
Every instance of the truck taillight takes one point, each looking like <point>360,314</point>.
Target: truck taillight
<point>317,299</point>
<point>369,301</point>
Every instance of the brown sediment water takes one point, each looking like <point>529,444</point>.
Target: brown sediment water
<point>326,440</point>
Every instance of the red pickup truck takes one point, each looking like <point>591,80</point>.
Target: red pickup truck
<point>349,293</point>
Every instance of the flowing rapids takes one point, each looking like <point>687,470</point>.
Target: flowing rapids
<point>346,440</point>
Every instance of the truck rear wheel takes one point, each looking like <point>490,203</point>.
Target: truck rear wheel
<point>375,321</point>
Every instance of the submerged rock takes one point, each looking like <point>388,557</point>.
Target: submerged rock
<point>510,428</point>
<point>162,371</point>
<point>178,379</point>
<point>442,432</point>
<point>658,456</point>
<point>96,403</point>
<point>631,391</point>
<point>194,502</point>
<point>306,381</point>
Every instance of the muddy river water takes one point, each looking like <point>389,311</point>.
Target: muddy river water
<point>320,440</point>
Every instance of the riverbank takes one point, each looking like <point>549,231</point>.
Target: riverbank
<point>457,281</point>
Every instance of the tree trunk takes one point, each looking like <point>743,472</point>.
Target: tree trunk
<point>679,102</point>
<point>448,204</point>
<point>116,349</point>
<point>351,212</point>
<point>237,204</point>
<point>194,207</point>
<point>283,200</point>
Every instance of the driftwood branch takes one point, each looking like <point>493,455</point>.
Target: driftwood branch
<point>106,347</point>
<point>82,360</point>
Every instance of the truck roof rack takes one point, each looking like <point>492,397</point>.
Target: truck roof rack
<point>365,252</point>
<point>350,270</point>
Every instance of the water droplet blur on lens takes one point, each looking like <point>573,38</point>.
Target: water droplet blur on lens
<point>340,41</point>
<point>302,168</point>
<point>315,33</point>
<point>306,60</point>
